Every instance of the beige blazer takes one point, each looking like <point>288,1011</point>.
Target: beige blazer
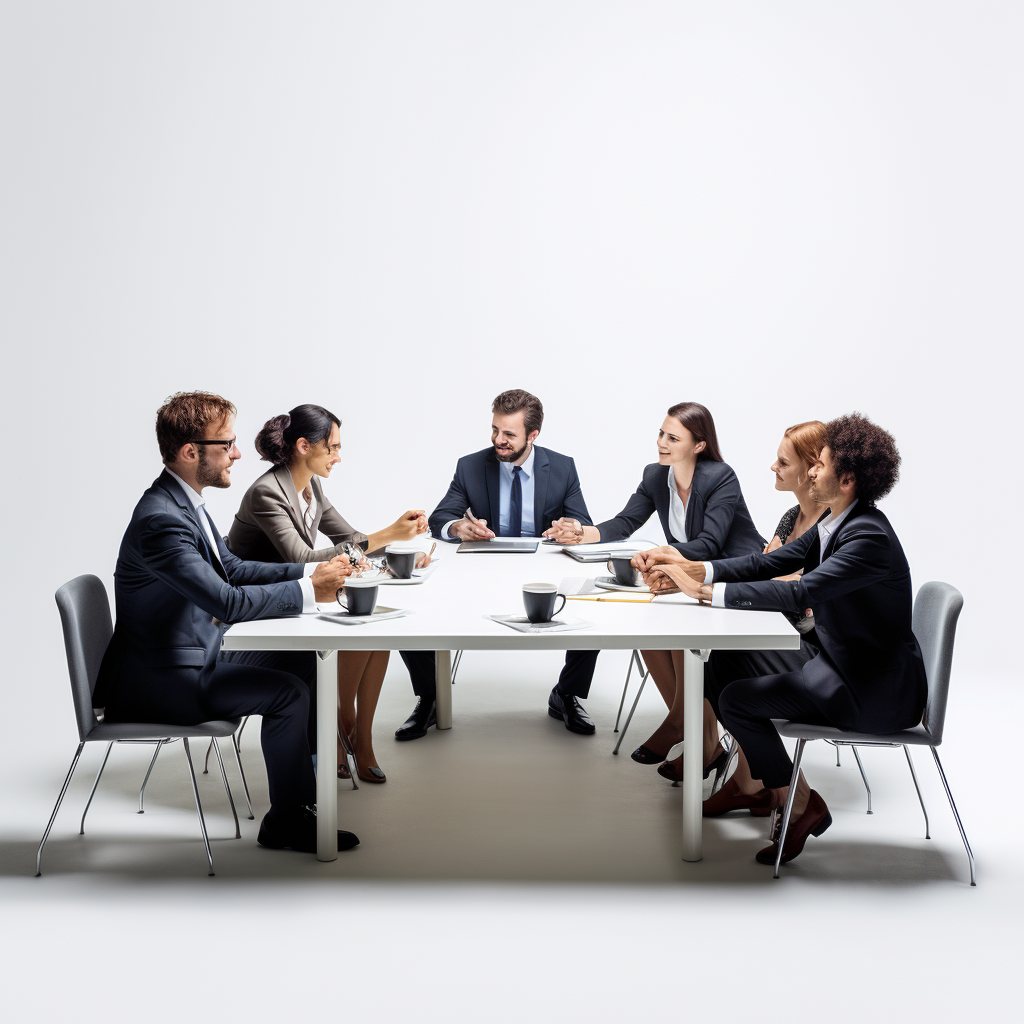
<point>269,526</point>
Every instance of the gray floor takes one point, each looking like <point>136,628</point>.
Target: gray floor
<point>509,868</point>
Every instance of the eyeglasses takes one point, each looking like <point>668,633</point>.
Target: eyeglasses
<point>228,445</point>
<point>333,449</point>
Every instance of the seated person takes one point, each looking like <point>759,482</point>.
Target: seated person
<point>703,514</point>
<point>178,588</point>
<point>797,452</point>
<point>868,674</point>
<point>518,489</point>
<point>279,520</point>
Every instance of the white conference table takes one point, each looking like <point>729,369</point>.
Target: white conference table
<point>448,613</point>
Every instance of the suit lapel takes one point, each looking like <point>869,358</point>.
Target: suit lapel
<point>695,492</point>
<point>284,480</point>
<point>491,471</point>
<point>541,476</point>
<point>173,488</point>
<point>830,546</point>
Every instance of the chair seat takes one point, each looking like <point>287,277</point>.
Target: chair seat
<point>918,736</point>
<point>108,731</point>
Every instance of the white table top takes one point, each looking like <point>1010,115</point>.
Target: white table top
<point>449,612</point>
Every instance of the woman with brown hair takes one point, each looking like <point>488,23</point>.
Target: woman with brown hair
<point>797,452</point>
<point>702,511</point>
<point>279,520</point>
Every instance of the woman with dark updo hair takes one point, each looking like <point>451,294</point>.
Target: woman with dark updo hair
<point>279,520</point>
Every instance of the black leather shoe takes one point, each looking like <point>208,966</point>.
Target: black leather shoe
<point>423,716</point>
<point>299,835</point>
<point>567,708</point>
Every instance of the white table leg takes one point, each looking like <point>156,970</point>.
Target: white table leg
<point>693,755</point>
<point>327,755</point>
<point>443,678</point>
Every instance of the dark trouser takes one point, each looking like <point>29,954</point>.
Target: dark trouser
<point>574,680</point>
<point>813,694</point>
<point>725,667</point>
<point>280,686</point>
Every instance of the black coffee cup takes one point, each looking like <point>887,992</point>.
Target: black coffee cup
<point>360,598</point>
<point>625,574</point>
<point>401,561</point>
<point>539,600</point>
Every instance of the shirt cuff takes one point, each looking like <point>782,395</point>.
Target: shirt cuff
<point>718,596</point>
<point>309,601</point>
<point>445,535</point>
<point>709,573</point>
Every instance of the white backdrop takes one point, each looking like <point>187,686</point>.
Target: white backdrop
<point>784,211</point>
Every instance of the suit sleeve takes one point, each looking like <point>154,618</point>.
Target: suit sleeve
<point>574,507</point>
<point>781,562</point>
<point>719,511</point>
<point>452,506</point>
<point>169,549</point>
<point>638,510</point>
<point>863,559</point>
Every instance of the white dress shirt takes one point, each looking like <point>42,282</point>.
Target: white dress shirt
<point>526,482</point>
<point>826,528</point>
<point>676,509</point>
<point>199,504</point>
<point>309,509</point>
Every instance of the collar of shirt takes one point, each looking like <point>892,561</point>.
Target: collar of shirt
<point>829,525</point>
<point>526,467</point>
<point>198,502</point>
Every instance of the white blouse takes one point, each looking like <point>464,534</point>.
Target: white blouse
<point>676,509</point>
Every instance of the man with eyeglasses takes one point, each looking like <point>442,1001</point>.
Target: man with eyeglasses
<point>178,588</point>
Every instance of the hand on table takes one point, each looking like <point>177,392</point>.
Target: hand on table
<point>565,531</point>
<point>665,578</point>
<point>644,560</point>
<point>466,529</point>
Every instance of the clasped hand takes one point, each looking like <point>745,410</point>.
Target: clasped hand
<point>329,577</point>
<point>565,531</point>
<point>665,571</point>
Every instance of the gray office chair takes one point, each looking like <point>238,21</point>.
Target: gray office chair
<point>85,617</point>
<point>936,611</point>
<point>634,658</point>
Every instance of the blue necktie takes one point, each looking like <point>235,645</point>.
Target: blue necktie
<point>515,504</point>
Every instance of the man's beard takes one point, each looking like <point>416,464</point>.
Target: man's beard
<point>207,476</point>
<point>507,456</point>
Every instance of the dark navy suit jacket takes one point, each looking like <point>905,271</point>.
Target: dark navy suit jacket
<point>870,662</point>
<point>717,521</point>
<point>175,600</point>
<point>556,491</point>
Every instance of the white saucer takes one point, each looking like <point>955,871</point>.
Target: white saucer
<point>608,583</point>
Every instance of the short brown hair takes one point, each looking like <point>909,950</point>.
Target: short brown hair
<point>699,422</point>
<point>807,440</point>
<point>509,402</point>
<point>864,449</point>
<point>184,417</point>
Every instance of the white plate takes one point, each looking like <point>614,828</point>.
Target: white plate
<point>608,583</point>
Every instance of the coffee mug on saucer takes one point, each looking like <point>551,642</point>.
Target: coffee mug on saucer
<point>359,598</point>
<point>539,601</point>
<point>625,574</point>
<point>400,560</point>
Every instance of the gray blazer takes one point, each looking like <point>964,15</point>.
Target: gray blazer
<point>268,526</point>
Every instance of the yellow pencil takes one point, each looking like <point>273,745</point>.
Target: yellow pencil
<point>614,600</point>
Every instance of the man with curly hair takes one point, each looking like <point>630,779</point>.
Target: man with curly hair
<point>869,673</point>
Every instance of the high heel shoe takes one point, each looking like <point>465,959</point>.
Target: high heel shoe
<point>371,773</point>
<point>673,770</point>
<point>644,755</point>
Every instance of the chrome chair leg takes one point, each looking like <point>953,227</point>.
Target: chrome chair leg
<point>199,806</point>
<point>455,665</point>
<point>238,735</point>
<point>206,766</point>
<point>625,728</point>
<point>794,778</point>
<point>733,749</point>
<point>862,775</point>
<point>956,814</point>
<point>241,771</point>
<point>350,759</point>
<point>913,775</point>
<point>149,771</point>
<point>837,756</point>
<point>92,792</point>
<point>625,689</point>
<point>56,808</point>
<point>227,788</point>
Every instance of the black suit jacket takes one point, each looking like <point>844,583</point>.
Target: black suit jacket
<point>862,601</point>
<point>556,491</point>
<point>717,521</point>
<point>175,599</point>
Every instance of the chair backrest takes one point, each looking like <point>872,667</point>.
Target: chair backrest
<point>85,616</point>
<point>936,609</point>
